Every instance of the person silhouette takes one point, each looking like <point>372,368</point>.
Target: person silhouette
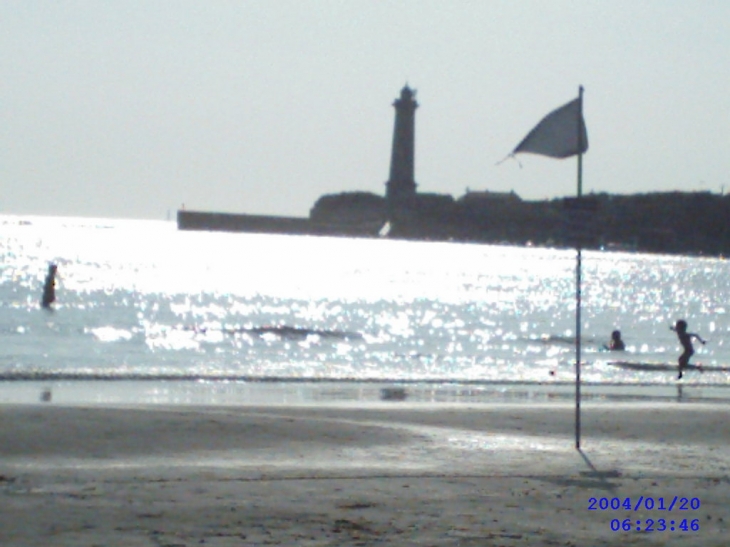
<point>49,287</point>
<point>685,338</point>
<point>616,343</point>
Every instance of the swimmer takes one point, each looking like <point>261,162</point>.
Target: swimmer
<point>49,287</point>
<point>616,343</point>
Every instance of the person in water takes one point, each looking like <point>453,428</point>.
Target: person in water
<point>685,338</point>
<point>616,343</point>
<point>49,287</point>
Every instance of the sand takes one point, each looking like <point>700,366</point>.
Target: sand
<point>389,473</point>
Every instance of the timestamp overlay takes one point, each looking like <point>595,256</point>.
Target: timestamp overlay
<point>662,514</point>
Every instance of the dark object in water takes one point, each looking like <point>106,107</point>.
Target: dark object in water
<point>286,332</point>
<point>393,394</point>
<point>656,367</point>
<point>49,287</point>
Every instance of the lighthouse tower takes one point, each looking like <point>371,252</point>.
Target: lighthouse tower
<point>401,185</point>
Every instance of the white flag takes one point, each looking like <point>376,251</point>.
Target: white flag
<point>560,134</point>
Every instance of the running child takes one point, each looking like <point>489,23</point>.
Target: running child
<point>685,338</point>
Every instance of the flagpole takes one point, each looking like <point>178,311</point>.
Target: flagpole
<point>578,278</point>
<point>554,137</point>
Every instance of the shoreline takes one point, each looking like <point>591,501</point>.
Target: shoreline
<point>232,393</point>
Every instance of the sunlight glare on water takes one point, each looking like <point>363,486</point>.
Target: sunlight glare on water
<point>140,298</point>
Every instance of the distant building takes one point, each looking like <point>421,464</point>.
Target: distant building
<point>489,197</point>
<point>432,203</point>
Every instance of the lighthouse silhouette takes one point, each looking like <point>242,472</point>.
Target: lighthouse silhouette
<point>401,186</point>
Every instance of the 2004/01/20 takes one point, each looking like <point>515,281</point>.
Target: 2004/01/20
<point>616,504</point>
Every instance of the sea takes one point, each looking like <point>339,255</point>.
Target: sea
<point>147,313</point>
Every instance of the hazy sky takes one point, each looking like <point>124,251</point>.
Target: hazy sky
<point>132,108</point>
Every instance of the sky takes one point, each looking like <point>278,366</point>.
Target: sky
<point>132,108</point>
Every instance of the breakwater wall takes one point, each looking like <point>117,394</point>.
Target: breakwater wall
<point>230,222</point>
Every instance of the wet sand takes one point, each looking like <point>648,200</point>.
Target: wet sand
<point>389,473</point>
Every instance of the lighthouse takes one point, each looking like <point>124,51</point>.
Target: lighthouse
<point>401,185</point>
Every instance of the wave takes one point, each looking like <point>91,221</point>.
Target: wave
<point>666,366</point>
<point>293,333</point>
<point>35,375</point>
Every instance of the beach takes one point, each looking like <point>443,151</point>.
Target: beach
<point>379,473</point>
